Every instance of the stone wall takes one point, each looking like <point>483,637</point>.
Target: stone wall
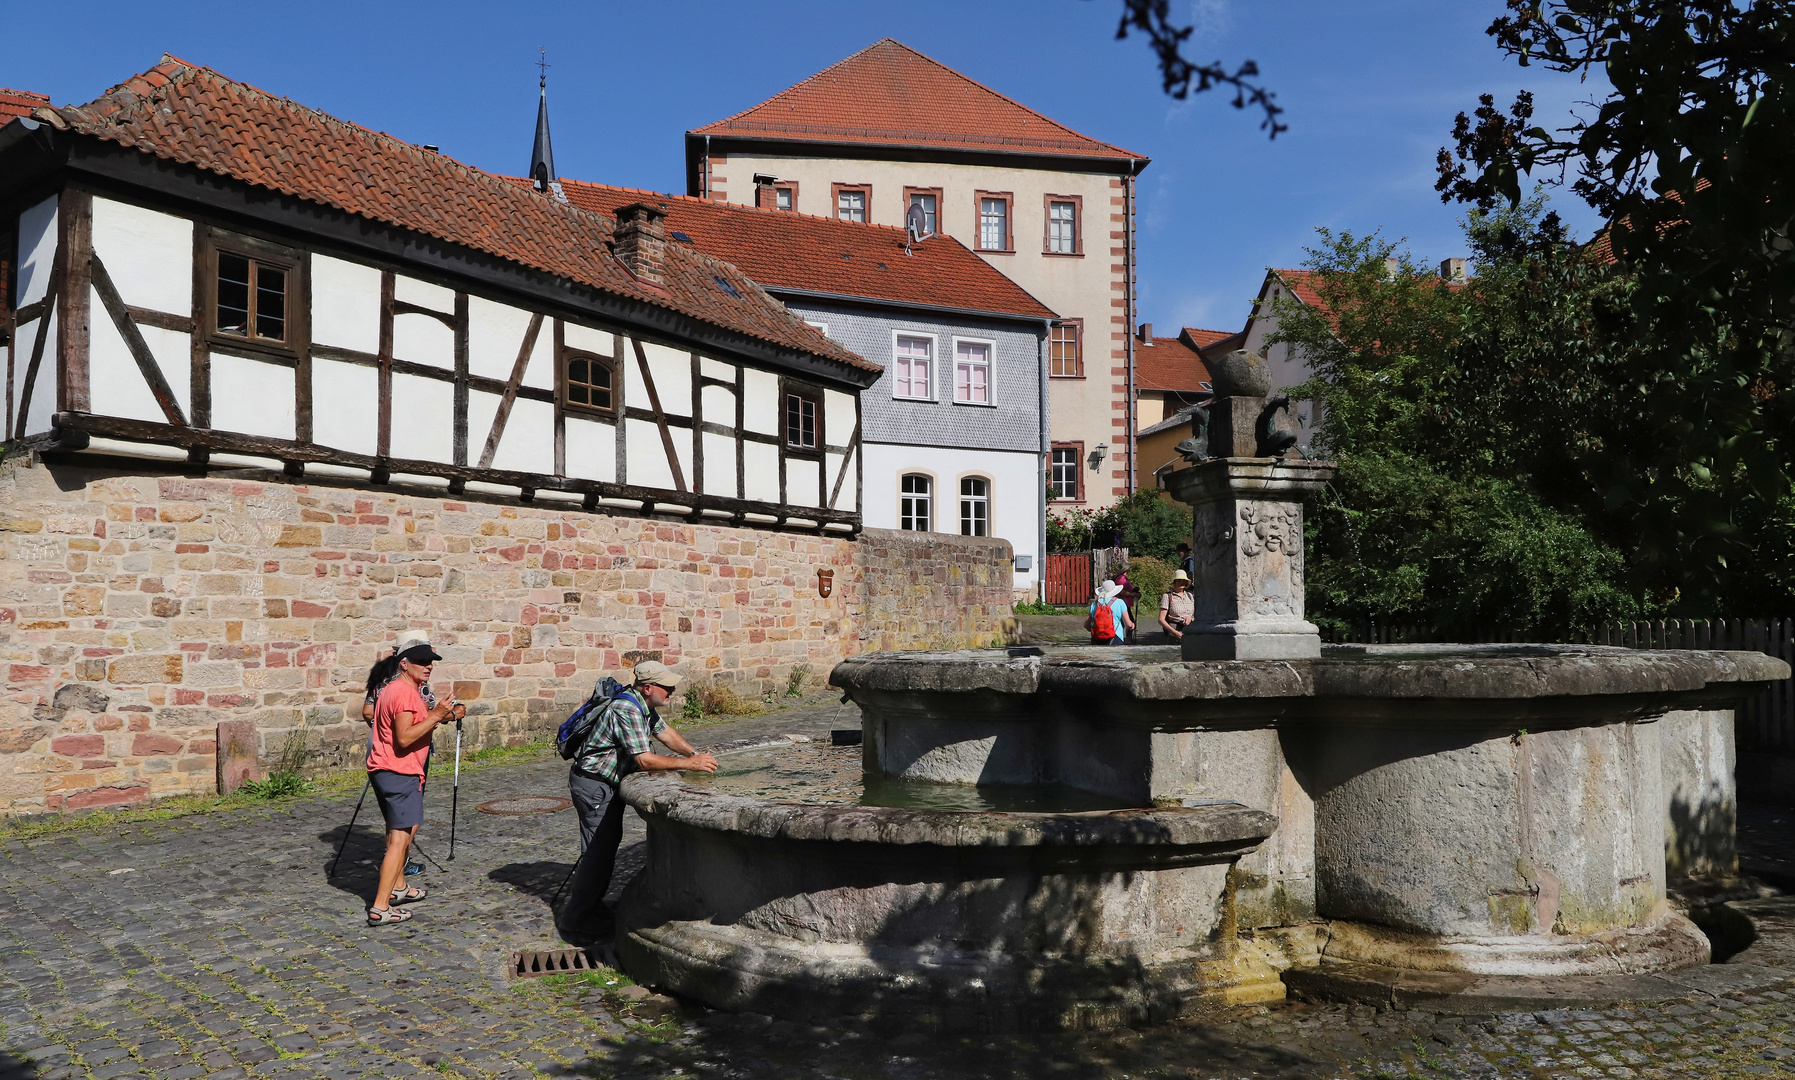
<point>139,610</point>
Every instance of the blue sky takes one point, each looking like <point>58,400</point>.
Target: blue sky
<point>1370,90</point>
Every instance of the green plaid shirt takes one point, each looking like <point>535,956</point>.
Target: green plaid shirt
<point>617,738</point>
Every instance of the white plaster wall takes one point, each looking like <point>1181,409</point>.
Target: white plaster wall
<point>148,254</point>
<point>37,250</point>
<point>760,402</point>
<point>719,405</point>
<point>672,371</point>
<point>528,444</point>
<point>850,487</point>
<point>345,406</point>
<point>424,294</point>
<point>831,470</point>
<point>802,486</point>
<point>839,414</point>
<point>1016,486</point>
<point>251,396</point>
<point>716,369</point>
<point>494,334</point>
<point>647,458</point>
<point>760,472</point>
<point>345,304</point>
<point>591,450</point>
<point>424,419</point>
<point>602,342</point>
<point>423,339</point>
<point>116,383</point>
<point>719,464</point>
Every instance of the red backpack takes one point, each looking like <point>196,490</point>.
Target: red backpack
<point>1103,624</point>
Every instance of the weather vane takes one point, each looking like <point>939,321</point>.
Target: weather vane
<point>542,65</point>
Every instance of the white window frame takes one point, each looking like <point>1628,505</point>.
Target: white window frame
<point>934,230</point>
<point>962,498</point>
<point>990,345</point>
<point>820,327</point>
<point>934,365</point>
<point>930,498</point>
<point>1071,223</point>
<point>1053,465</point>
<point>863,209</point>
<point>1006,222</point>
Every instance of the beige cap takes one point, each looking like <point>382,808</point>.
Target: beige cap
<point>653,671</point>
<point>1179,575</point>
<point>409,638</point>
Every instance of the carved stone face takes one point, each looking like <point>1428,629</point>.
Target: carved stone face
<point>1264,530</point>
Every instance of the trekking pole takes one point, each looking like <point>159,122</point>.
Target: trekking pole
<point>556,899</point>
<point>455,791</point>
<point>328,874</point>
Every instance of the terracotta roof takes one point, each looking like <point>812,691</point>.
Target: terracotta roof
<point>21,102</point>
<point>1167,363</point>
<point>780,249</point>
<point>194,115</point>
<point>888,94</point>
<point>1601,249</point>
<point>1201,339</point>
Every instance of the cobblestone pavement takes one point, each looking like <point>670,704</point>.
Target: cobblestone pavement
<point>213,946</point>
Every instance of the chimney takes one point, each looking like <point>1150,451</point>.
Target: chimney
<point>764,196</point>
<point>1146,332</point>
<point>1392,267</point>
<point>640,241</point>
<point>1453,271</point>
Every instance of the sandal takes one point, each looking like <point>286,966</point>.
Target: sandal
<point>377,917</point>
<point>415,893</point>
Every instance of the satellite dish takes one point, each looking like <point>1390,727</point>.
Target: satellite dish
<point>916,225</point>
<point>917,221</point>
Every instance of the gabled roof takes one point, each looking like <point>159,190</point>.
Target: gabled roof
<point>888,94</point>
<point>194,115</point>
<point>1202,339</point>
<point>20,102</point>
<point>1167,363</point>
<point>780,249</point>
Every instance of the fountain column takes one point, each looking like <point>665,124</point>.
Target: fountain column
<point>1246,490</point>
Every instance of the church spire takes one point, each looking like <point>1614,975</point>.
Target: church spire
<point>542,155</point>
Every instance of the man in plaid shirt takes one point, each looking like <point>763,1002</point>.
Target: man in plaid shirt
<point>617,746</point>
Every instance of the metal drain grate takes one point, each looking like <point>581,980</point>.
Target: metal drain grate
<point>519,805</point>
<point>531,963</point>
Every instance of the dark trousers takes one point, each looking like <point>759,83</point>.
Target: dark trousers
<point>601,830</point>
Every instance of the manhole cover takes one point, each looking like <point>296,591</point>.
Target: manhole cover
<point>531,963</point>
<point>525,804</point>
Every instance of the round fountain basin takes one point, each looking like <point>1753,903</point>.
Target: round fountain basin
<point>1485,809</point>
<point>773,887</point>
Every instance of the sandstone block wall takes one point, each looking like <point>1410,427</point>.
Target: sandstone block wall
<point>139,610</point>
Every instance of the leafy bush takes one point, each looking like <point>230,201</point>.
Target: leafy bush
<point>286,775</point>
<point>1146,523</point>
<point>1152,577</point>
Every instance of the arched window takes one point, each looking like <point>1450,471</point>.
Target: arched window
<point>914,510</point>
<point>975,506</point>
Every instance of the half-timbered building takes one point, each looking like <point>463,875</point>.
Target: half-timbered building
<point>205,271</point>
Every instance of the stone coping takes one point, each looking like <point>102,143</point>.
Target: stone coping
<point>1373,673</point>
<point>1221,828</point>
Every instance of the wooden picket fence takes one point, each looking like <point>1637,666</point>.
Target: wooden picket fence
<point>1766,723</point>
<point>1068,579</point>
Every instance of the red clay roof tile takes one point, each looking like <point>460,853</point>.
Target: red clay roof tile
<point>785,250</point>
<point>888,94</point>
<point>21,102</point>
<point>196,116</point>
<point>1167,363</point>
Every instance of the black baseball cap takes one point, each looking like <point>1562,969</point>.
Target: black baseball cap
<point>420,654</point>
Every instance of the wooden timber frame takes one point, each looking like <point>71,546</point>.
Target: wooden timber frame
<point>78,273</point>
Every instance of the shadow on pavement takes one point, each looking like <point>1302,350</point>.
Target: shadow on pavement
<point>13,1067</point>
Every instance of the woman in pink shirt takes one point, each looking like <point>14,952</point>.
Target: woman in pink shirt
<point>401,742</point>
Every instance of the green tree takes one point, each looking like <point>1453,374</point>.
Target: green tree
<point>1691,158</point>
<point>1450,410</point>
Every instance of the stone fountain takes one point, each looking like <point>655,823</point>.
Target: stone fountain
<point>1266,810</point>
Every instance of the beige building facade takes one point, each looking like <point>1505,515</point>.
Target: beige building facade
<point>1048,207</point>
